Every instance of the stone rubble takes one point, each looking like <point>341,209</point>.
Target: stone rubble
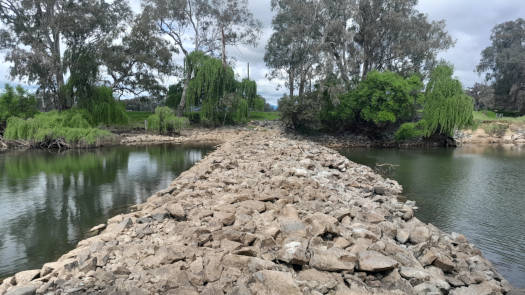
<point>265,214</point>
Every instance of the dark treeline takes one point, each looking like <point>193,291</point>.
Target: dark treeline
<point>84,55</point>
<point>366,66</point>
<point>369,67</point>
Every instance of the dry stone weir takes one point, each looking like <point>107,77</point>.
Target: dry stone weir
<point>267,214</point>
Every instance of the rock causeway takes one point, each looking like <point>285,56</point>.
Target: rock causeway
<point>267,214</point>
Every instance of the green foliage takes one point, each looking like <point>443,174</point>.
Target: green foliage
<point>302,113</point>
<point>447,107</point>
<point>213,89</point>
<point>165,122</point>
<point>16,102</point>
<point>410,131</point>
<point>174,95</point>
<point>383,99</point>
<point>259,103</point>
<point>248,90</point>
<point>102,108</point>
<point>70,125</point>
<point>386,98</point>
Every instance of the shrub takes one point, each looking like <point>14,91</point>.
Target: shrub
<point>302,113</point>
<point>68,125</point>
<point>410,131</point>
<point>165,122</point>
<point>383,99</point>
<point>496,129</point>
<point>16,102</point>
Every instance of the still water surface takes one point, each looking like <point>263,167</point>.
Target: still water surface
<point>48,201</point>
<point>477,191</point>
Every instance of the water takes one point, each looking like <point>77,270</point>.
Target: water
<point>48,201</point>
<point>477,191</point>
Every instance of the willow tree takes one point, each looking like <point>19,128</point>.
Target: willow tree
<point>212,87</point>
<point>248,90</point>
<point>447,107</point>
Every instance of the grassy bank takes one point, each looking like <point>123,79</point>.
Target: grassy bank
<point>489,116</point>
<point>261,116</point>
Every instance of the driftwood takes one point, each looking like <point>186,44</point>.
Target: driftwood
<point>54,144</point>
<point>3,145</point>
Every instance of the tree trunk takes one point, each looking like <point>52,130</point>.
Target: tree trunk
<point>182,104</point>
<point>302,84</point>
<point>223,46</point>
<point>290,82</point>
<point>60,100</point>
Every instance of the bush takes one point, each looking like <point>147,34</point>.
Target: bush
<point>382,100</point>
<point>18,103</point>
<point>165,122</point>
<point>70,125</point>
<point>302,113</point>
<point>496,129</point>
<point>410,131</point>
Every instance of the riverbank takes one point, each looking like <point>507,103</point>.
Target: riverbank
<point>265,214</point>
<point>493,132</point>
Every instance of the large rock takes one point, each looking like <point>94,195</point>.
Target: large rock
<point>27,276</point>
<point>275,282</point>
<point>293,251</point>
<point>333,259</point>
<point>372,261</point>
<point>419,234</point>
<point>22,290</point>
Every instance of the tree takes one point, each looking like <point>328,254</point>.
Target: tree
<point>387,33</point>
<point>447,107</point>
<point>139,62</point>
<point>35,32</point>
<point>504,61</point>
<point>16,102</point>
<point>345,39</point>
<point>233,24</point>
<point>182,21</point>
<point>293,47</point>
<point>382,100</point>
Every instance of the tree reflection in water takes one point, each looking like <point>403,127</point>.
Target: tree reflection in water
<point>49,200</point>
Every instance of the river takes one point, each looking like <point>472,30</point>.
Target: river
<point>478,191</point>
<point>48,201</point>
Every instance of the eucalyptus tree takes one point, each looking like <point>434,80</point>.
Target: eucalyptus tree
<point>345,39</point>
<point>293,48</point>
<point>504,60</point>
<point>395,36</point>
<point>138,63</point>
<point>233,24</point>
<point>35,32</point>
<point>185,23</point>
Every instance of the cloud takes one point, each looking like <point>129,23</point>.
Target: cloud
<point>470,23</point>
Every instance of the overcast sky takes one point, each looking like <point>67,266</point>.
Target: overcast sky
<point>469,22</point>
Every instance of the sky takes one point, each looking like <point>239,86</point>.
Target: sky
<point>469,22</point>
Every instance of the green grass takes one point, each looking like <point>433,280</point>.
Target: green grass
<point>138,117</point>
<point>260,116</point>
<point>488,116</point>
